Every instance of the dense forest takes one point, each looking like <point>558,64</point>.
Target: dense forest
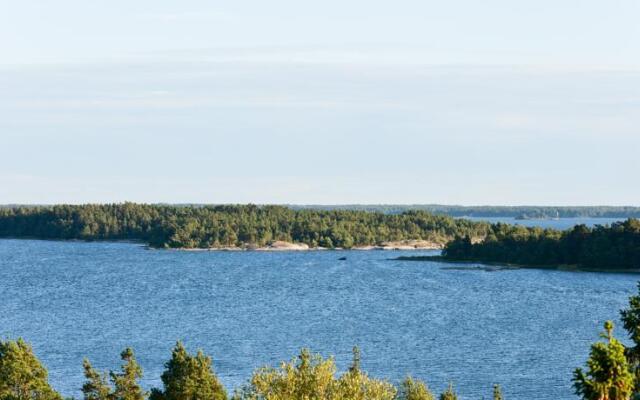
<point>165,226</point>
<point>490,211</point>
<point>612,373</point>
<point>601,247</point>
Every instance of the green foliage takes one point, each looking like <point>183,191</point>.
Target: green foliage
<point>189,377</point>
<point>96,386</point>
<point>411,389</point>
<point>609,375</point>
<point>631,321</point>
<point>313,378</point>
<point>449,394</point>
<point>219,226</point>
<point>22,376</point>
<point>307,377</point>
<point>614,247</point>
<point>355,384</point>
<point>124,384</point>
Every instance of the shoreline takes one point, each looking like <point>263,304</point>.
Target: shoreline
<point>287,246</point>
<point>277,246</point>
<point>497,266</point>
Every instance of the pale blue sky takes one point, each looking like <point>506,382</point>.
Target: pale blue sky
<point>466,102</point>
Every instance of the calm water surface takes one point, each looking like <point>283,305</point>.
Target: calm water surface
<point>525,329</point>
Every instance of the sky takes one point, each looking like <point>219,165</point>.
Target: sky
<point>333,102</point>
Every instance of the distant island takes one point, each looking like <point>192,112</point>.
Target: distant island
<point>520,212</point>
<point>236,227</point>
<point>615,247</point>
<point>277,228</point>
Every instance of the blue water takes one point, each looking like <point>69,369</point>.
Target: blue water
<point>524,329</point>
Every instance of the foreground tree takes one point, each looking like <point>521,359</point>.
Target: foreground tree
<point>124,384</point>
<point>609,375</point>
<point>631,322</point>
<point>355,384</point>
<point>449,394</point>
<point>414,390</point>
<point>189,377</point>
<point>22,376</point>
<point>307,377</point>
<point>310,377</point>
<point>96,386</point>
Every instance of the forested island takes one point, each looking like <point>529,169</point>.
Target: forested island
<point>231,226</point>
<point>615,247</point>
<point>528,212</point>
<point>251,226</point>
<point>525,212</point>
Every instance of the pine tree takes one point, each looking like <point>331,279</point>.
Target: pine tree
<point>125,383</point>
<point>355,384</point>
<point>609,375</point>
<point>355,363</point>
<point>22,376</point>
<point>189,377</point>
<point>96,386</point>
<point>449,394</point>
<point>414,390</point>
<point>631,322</point>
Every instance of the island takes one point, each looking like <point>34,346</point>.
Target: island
<point>237,227</point>
<point>602,248</point>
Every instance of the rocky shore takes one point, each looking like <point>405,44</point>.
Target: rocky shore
<point>288,246</point>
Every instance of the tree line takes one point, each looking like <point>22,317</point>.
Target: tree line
<point>491,211</point>
<point>165,226</point>
<point>190,376</point>
<point>601,247</point>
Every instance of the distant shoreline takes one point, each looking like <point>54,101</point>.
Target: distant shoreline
<point>280,246</point>
<point>497,266</point>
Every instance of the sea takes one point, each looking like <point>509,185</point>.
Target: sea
<point>526,329</point>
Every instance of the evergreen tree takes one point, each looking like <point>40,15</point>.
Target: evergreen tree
<point>307,377</point>
<point>608,376</point>
<point>355,363</point>
<point>631,322</point>
<point>414,390</point>
<point>125,383</point>
<point>310,377</point>
<point>22,376</point>
<point>355,384</point>
<point>449,394</point>
<point>96,386</point>
<point>188,377</point>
